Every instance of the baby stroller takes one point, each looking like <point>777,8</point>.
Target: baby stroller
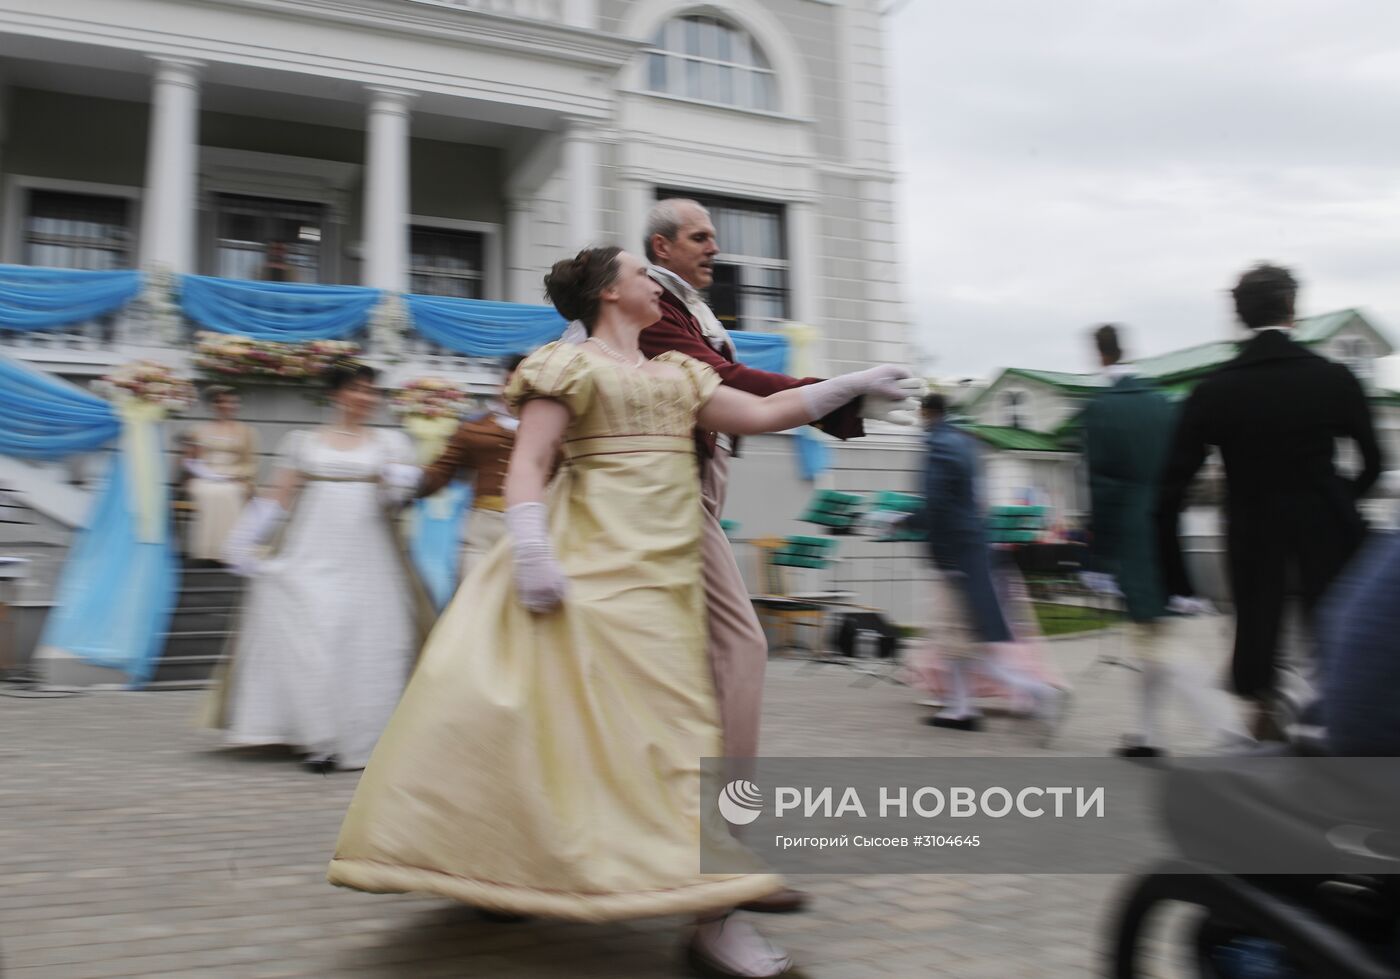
<point>1275,926</point>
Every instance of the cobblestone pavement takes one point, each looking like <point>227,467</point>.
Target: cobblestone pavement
<point>130,846</point>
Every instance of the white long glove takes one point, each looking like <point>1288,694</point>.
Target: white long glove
<point>255,525</point>
<point>398,482</point>
<point>884,381</point>
<point>896,411</point>
<point>200,469</point>
<point>539,579</point>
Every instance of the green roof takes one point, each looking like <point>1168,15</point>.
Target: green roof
<point>1016,439</point>
<point>1315,329</point>
<point>1181,364</point>
<point>1080,383</point>
<point>1180,367</point>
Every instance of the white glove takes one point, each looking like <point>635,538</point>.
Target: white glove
<point>200,469</point>
<point>880,523</point>
<point>256,524</point>
<point>398,482</point>
<point>1100,583</point>
<point>897,411</point>
<point>884,381</point>
<point>539,579</point>
<point>1184,605</point>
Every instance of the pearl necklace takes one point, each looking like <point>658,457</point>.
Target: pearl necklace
<point>617,356</point>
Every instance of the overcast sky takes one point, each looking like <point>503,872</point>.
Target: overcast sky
<point>1070,162</point>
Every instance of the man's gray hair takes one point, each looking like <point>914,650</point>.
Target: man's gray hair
<point>664,219</point>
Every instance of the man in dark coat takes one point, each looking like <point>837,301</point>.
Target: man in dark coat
<point>1275,413</point>
<point>1127,432</point>
<point>967,609</point>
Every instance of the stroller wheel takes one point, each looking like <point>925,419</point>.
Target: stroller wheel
<point>1212,935</point>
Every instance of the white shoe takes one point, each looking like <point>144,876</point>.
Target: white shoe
<point>731,947</point>
<point>1052,708</point>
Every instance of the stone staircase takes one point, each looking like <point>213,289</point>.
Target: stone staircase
<point>205,616</point>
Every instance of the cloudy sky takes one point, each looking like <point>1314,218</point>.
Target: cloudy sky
<point>1070,162</point>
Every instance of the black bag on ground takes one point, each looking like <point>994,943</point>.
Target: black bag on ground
<point>855,631</point>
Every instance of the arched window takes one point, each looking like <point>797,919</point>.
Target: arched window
<point>707,59</point>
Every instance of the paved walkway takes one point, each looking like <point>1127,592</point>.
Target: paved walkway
<point>129,846</point>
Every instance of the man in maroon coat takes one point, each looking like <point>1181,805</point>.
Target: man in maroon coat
<point>681,246</point>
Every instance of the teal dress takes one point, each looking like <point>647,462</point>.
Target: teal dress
<point>1127,434</point>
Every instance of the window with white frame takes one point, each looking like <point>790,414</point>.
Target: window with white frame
<point>750,290</point>
<point>1015,402</point>
<point>707,59</point>
<point>447,262</point>
<point>268,239</point>
<point>77,231</point>
<point>1355,353</point>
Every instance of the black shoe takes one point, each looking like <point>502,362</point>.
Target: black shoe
<point>955,723</point>
<point>1138,751</point>
<point>501,917</point>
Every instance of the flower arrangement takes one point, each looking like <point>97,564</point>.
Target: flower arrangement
<point>235,358</point>
<point>148,382</point>
<point>429,397</point>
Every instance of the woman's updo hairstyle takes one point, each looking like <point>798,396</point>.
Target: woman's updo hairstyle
<point>575,284</point>
<point>346,371</point>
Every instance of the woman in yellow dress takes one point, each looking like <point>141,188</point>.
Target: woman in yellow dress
<point>545,758</point>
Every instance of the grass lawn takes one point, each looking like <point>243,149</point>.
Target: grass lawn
<point>1061,620</point>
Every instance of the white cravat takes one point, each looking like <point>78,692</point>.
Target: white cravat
<point>710,325</point>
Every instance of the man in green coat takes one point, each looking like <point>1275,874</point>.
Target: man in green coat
<point>1127,434</point>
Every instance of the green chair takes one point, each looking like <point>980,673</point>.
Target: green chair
<point>837,512</point>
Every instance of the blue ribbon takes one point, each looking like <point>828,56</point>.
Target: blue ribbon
<point>287,312</point>
<point>480,328</point>
<point>761,351</point>
<point>44,299</point>
<point>43,418</point>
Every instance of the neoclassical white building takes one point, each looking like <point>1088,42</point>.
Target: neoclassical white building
<point>452,147</point>
<point>459,147</point>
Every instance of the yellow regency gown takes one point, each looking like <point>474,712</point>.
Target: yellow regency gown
<point>550,764</point>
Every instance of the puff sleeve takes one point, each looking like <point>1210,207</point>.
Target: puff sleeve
<point>558,371</point>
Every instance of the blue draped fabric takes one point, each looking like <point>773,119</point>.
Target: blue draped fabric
<point>287,312</point>
<point>813,454</point>
<point>43,418</point>
<point>435,540</point>
<point>479,328</point>
<point>116,594</point>
<point>44,299</point>
<point>761,351</point>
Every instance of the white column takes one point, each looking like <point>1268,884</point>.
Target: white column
<point>519,285</point>
<point>637,199</point>
<point>581,184</point>
<point>172,159</point>
<point>802,263</point>
<point>386,190</point>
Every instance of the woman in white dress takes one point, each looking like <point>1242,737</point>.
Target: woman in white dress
<point>328,634</point>
<point>222,463</point>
